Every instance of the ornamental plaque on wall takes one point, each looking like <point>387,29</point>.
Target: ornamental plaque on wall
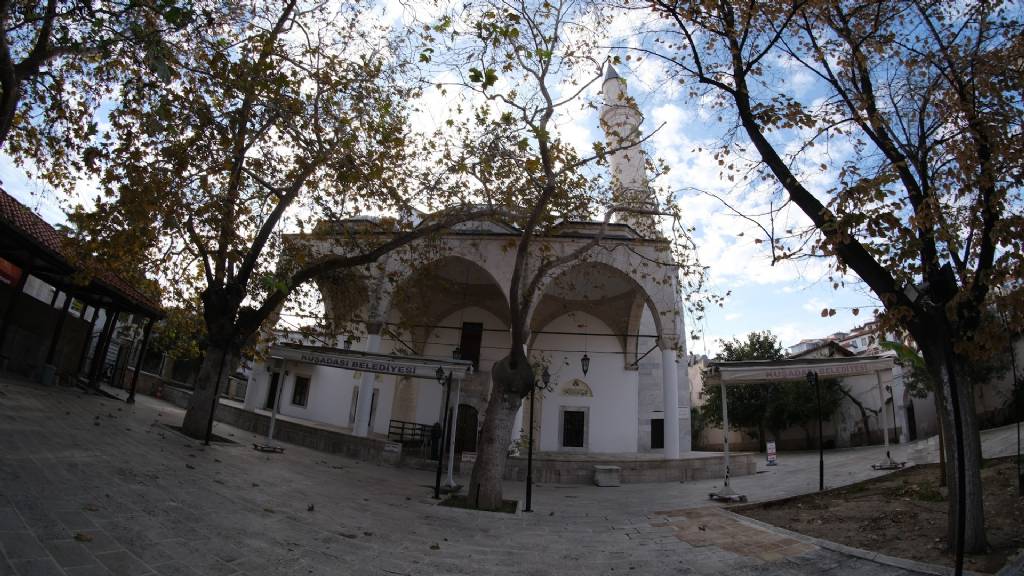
<point>577,387</point>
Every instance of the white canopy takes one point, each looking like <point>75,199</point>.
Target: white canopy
<point>763,371</point>
<point>411,366</point>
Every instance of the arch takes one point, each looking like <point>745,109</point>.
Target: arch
<point>485,259</point>
<point>345,295</point>
<point>440,288</point>
<point>618,299</point>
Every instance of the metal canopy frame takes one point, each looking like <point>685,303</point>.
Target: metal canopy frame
<point>753,372</point>
<point>424,367</point>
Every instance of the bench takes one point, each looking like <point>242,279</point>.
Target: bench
<point>607,476</point>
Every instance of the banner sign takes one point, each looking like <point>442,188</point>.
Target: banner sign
<point>792,370</point>
<point>9,273</point>
<point>772,454</point>
<point>374,363</point>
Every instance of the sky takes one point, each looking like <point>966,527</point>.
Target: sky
<point>786,298</point>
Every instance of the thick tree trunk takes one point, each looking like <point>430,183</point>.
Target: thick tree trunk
<point>218,363</point>
<point>485,486</point>
<point>865,422</point>
<point>946,368</point>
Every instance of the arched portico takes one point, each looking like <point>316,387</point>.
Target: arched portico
<point>622,304</point>
<point>446,304</point>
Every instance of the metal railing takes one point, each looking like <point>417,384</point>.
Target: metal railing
<point>412,435</point>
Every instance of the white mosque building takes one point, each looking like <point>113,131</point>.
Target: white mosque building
<point>608,326</point>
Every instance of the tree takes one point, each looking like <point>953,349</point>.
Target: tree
<point>277,112</point>
<point>527,61</point>
<point>767,407</point>
<point>924,99</point>
<point>59,59</point>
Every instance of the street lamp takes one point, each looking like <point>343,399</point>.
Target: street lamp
<point>545,378</point>
<point>445,381</point>
<point>275,370</point>
<point>1018,390</point>
<point>892,401</point>
<point>812,379</point>
<point>453,422</point>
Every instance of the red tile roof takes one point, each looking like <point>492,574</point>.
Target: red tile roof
<point>18,216</point>
<point>33,228</point>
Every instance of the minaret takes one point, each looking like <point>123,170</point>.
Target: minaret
<point>621,120</point>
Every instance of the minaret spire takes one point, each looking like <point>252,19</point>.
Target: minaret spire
<point>621,121</point>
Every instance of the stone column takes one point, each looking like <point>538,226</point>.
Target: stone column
<point>362,423</point>
<point>670,399</point>
<point>377,314</point>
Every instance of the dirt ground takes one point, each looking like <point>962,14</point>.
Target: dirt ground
<point>904,515</point>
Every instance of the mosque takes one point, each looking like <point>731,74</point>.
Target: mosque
<point>608,327</point>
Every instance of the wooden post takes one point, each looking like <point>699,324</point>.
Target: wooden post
<point>88,339</point>
<point>55,339</point>
<point>100,354</point>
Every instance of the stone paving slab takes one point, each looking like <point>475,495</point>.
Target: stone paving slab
<point>90,487</point>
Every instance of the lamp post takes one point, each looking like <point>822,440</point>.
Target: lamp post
<point>446,383</point>
<point>545,378</point>
<point>1018,399</point>
<point>1018,392</point>
<point>895,424</point>
<point>277,367</point>
<point>812,379</point>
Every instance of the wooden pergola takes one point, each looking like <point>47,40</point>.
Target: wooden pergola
<point>36,248</point>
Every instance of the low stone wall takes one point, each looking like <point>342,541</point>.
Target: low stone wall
<point>380,451</point>
<point>373,450</point>
<point>632,471</point>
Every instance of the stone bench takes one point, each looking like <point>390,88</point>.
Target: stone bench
<point>607,476</point>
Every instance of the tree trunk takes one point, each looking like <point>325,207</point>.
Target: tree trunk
<point>946,368</point>
<point>10,94</point>
<point>485,486</point>
<point>863,414</point>
<point>217,364</point>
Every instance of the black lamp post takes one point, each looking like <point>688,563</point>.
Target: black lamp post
<point>545,378</point>
<point>892,401</point>
<point>446,384</point>
<point>812,379</point>
<point>1018,392</point>
<point>1018,399</point>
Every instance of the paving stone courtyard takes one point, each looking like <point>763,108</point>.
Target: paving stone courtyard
<point>92,487</point>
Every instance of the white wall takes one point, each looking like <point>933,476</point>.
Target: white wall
<point>330,394</point>
<point>612,417</point>
<point>441,341</point>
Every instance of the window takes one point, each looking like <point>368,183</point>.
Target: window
<point>657,433</point>
<point>469,342</point>
<point>300,393</point>
<point>573,428</point>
